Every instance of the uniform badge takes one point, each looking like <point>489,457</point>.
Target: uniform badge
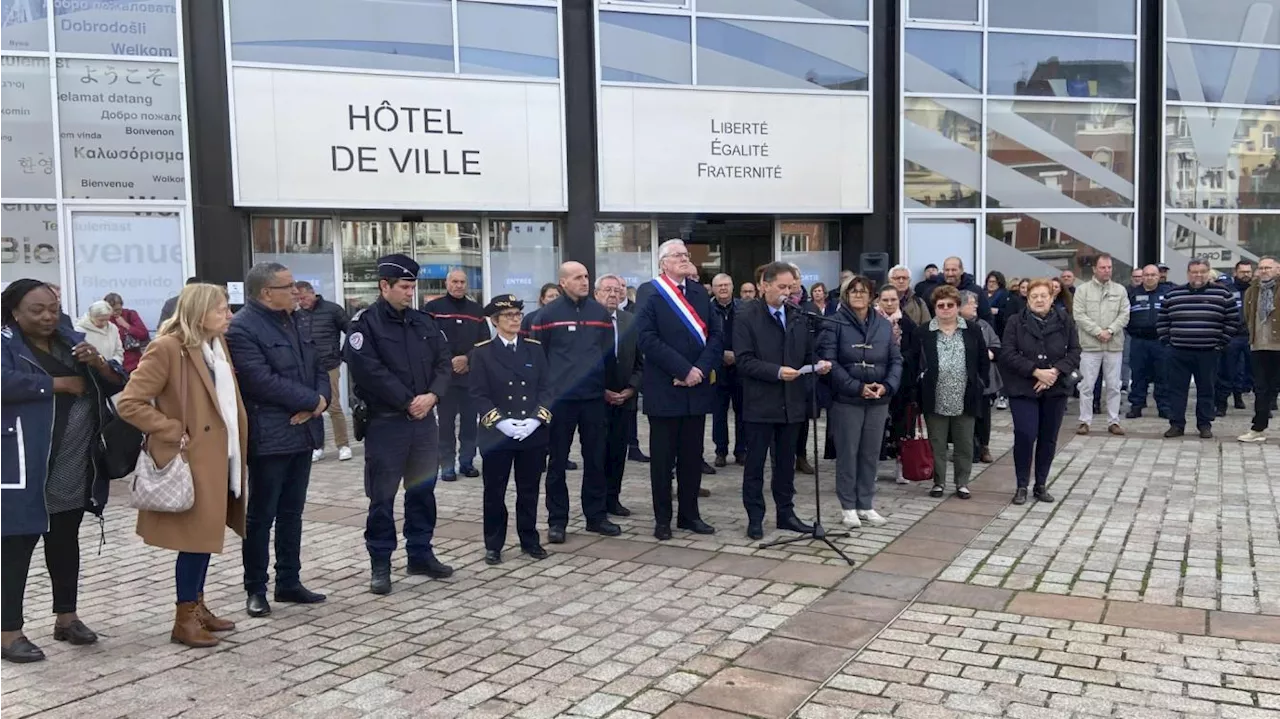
<point>356,340</point>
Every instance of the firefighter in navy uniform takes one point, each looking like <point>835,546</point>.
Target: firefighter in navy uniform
<point>512,394</point>
<point>462,321</point>
<point>399,363</point>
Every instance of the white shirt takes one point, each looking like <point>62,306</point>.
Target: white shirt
<point>508,343</point>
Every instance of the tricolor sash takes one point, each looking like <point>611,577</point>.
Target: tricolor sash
<point>669,291</point>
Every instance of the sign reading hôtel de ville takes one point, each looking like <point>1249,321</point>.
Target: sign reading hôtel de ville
<point>671,150</point>
<point>374,141</point>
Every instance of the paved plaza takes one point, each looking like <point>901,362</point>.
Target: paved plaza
<point>1150,589</point>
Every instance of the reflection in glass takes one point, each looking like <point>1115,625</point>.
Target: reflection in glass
<point>954,10</point>
<point>363,242</point>
<point>749,53</point>
<point>824,9</point>
<point>440,247</point>
<point>1060,66</point>
<point>1116,17</point>
<point>30,243</point>
<point>625,249</point>
<point>1222,239</point>
<point>303,244</point>
<point>25,26</point>
<point>522,256</point>
<point>1207,169</point>
<point>1061,153</point>
<point>135,254</point>
<point>943,145</point>
<point>645,48</point>
<point>1045,244</point>
<point>955,53</point>
<point>508,40</point>
<point>136,29</point>
<point>1213,66</point>
<point>1255,21</point>
<point>26,148</point>
<point>814,247</point>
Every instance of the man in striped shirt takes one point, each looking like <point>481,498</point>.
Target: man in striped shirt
<point>1196,322</point>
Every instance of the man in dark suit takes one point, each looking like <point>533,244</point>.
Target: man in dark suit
<point>622,384</point>
<point>681,340</point>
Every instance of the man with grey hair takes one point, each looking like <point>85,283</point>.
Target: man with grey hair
<point>1196,322</point>
<point>463,322</point>
<point>912,306</point>
<point>1263,323</point>
<point>728,389</point>
<point>681,339</point>
<point>622,386</point>
<point>285,392</point>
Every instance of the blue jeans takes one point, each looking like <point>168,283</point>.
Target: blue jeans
<point>277,495</point>
<point>1234,372</point>
<point>1183,365</point>
<point>1148,360</point>
<point>728,395</point>
<point>188,574</point>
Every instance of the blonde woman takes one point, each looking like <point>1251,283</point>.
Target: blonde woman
<point>191,343</point>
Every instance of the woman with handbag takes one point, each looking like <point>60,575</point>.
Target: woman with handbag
<point>1039,361</point>
<point>55,389</point>
<point>197,437</point>
<point>866,369</point>
<point>134,334</point>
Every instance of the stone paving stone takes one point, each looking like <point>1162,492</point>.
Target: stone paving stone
<point>960,595</point>
<point>804,660</point>
<point>754,692</point>
<point>925,548</point>
<point>859,606</point>
<point>1244,626</point>
<point>826,629</point>
<point>1144,616</point>
<point>883,585</point>
<point>1042,605</point>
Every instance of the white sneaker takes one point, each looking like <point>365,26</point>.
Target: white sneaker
<point>317,455</point>
<point>344,453</point>
<point>1002,403</point>
<point>850,519</point>
<point>1252,436</point>
<point>897,463</point>
<point>872,517</point>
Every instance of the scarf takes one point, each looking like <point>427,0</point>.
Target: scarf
<point>224,382</point>
<point>893,322</point>
<point>1266,300</point>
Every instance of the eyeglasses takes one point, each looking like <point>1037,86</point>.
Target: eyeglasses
<point>945,305</point>
<point>512,315</point>
<point>858,292</point>
<point>280,287</point>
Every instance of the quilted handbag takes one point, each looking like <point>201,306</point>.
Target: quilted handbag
<point>170,488</point>
<point>915,451</point>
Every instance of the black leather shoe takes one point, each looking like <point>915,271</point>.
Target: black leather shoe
<point>1220,411</point>
<point>380,581</point>
<point>75,633</point>
<point>635,455</point>
<point>1174,432</point>
<point>1134,413</point>
<point>707,469</point>
<point>555,535</point>
<point>662,532</point>
<point>605,527</point>
<point>755,530</point>
<point>704,492</point>
<point>492,557</point>
<point>256,605</point>
<point>298,595</point>
<point>1239,400</point>
<point>430,566</point>
<point>740,459</point>
<point>697,526</point>
<point>22,651</point>
<point>1020,496</point>
<point>793,524</point>
<point>571,465</point>
<point>618,510</point>
<point>721,461</point>
<point>1042,495</point>
<point>535,552</point>
<point>469,471</point>
<point>1206,433</point>
<point>448,477</point>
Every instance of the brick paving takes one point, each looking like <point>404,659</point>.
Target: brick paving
<point>715,627</point>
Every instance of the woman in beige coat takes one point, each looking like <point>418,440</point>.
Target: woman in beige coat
<point>191,344</point>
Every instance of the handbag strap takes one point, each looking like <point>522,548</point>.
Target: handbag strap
<point>182,392</point>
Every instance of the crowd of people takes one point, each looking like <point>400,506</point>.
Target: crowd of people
<point>241,400</point>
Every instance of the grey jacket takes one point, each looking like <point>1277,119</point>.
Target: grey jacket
<point>994,382</point>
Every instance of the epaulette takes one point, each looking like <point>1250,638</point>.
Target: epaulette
<point>482,344</point>
<point>530,339</point>
<point>357,315</point>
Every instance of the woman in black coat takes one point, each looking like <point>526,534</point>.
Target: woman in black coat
<point>889,306</point>
<point>1039,361</point>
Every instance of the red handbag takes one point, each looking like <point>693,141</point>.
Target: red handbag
<point>914,451</point>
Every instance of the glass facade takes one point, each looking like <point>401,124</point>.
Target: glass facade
<point>93,162</point>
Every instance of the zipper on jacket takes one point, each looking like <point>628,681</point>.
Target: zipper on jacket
<point>48,453</point>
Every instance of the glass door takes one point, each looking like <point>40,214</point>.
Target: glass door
<point>437,247</point>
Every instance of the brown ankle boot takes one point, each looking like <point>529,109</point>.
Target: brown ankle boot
<point>188,629</point>
<point>210,620</point>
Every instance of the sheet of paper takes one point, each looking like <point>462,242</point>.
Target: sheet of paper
<point>807,369</point>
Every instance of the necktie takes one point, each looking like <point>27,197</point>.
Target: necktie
<point>777,315</point>
<point>615,335</point>
<point>682,292</point>
<point>512,347</point>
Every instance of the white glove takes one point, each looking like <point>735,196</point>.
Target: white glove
<point>530,426</point>
<point>510,427</point>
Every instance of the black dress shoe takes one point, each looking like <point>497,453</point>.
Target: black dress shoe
<point>704,492</point>
<point>380,579</point>
<point>697,526</point>
<point>298,595</point>
<point>536,551</point>
<point>1134,413</point>
<point>721,461</point>
<point>635,455</point>
<point>707,469</point>
<point>1239,404</point>
<point>1174,432</point>
<point>1206,433</point>
<point>755,530</point>
<point>75,632</point>
<point>662,532</point>
<point>555,535</point>
<point>256,605</point>
<point>1020,496</point>
<point>605,527</point>
<point>492,557</point>
<point>570,465</point>
<point>793,524</point>
<point>618,510</point>
<point>1042,495</point>
<point>469,471</point>
<point>448,477</point>
<point>22,651</point>
<point>430,566</point>
<point>740,459</point>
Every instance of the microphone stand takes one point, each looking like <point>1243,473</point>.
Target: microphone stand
<point>819,532</point>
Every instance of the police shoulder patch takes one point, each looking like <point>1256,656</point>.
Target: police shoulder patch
<point>482,344</point>
<point>356,340</point>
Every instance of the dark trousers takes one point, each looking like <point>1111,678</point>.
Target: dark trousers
<point>396,449</point>
<point>633,430</point>
<point>496,472</point>
<point>1266,382</point>
<point>189,572</point>
<point>780,440</point>
<point>675,445</point>
<point>1234,375</point>
<point>588,417</point>
<point>277,495</point>
<point>457,408</point>
<point>620,420</point>
<point>728,396</point>
<point>982,426</point>
<point>1148,360</point>
<point>61,557</point>
<point>1035,435</point>
<point>1183,365</point>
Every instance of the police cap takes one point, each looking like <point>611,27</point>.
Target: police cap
<point>397,267</point>
<point>501,303</point>
<point>1162,267</point>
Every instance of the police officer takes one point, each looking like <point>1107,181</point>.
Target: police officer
<point>399,362</point>
<point>512,393</point>
<point>462,321</point>
<point>1235,375</point>
<point>1146,354</point>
